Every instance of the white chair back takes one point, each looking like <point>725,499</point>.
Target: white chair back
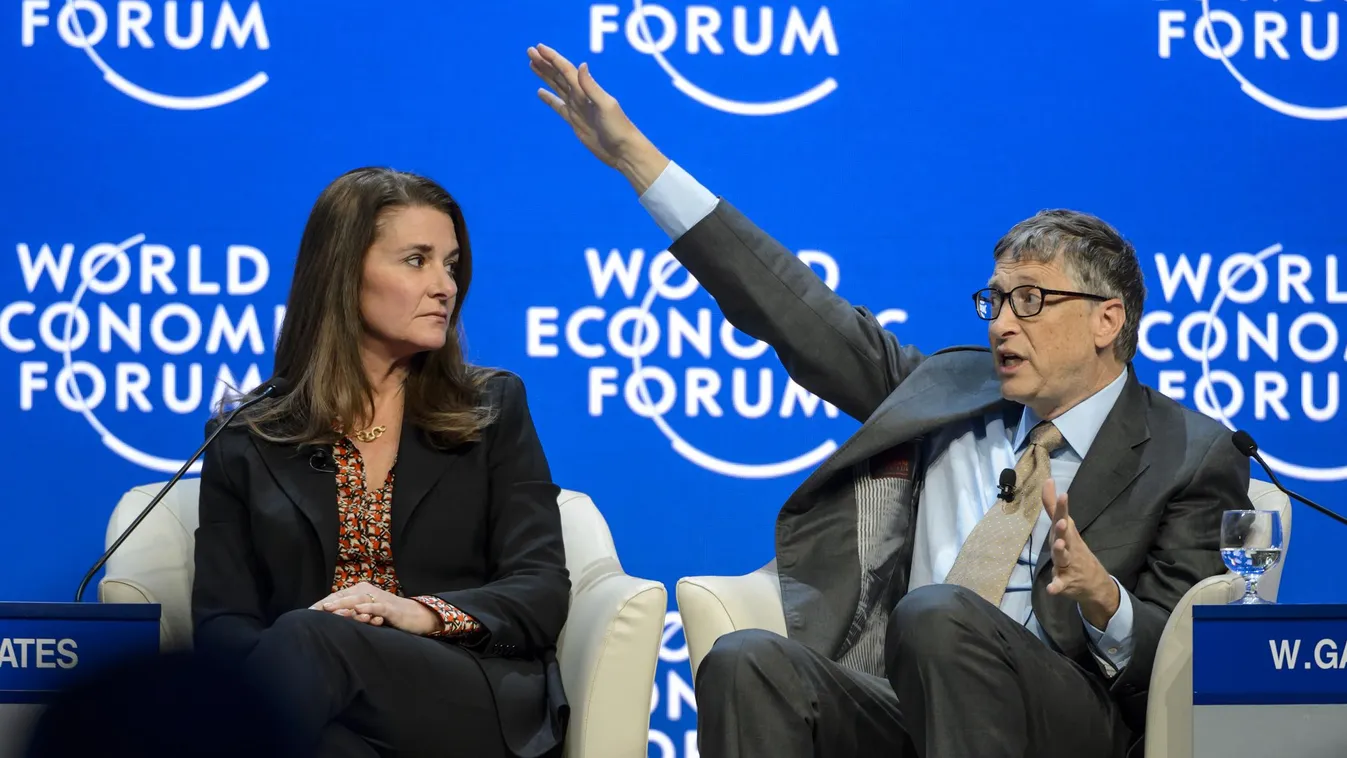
<point>1169,712</point>
<point>156,564</point>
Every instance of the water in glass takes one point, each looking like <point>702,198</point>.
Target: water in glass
<point>1251,543</point>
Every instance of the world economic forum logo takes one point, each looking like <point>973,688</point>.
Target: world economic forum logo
<point>1284,54</point>
<point>655,347</point>
<point>683,39</point>
<point>1258,341</point>
<point>136,337</point>
<point>109,33</point>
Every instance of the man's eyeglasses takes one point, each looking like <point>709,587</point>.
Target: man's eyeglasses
<point>1026,300</point>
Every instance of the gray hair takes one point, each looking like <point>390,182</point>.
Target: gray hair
<point>1094,254</point>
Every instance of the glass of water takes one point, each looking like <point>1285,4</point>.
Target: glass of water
<point>1251,543</point>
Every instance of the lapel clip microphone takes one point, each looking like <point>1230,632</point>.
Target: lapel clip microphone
<point>1007,485</point>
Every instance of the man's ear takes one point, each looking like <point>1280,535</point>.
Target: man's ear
<point>1108,321</point>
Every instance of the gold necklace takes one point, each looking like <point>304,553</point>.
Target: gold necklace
<point>369,435</point>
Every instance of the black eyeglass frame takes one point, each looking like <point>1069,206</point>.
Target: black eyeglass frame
<point>1005,297</point>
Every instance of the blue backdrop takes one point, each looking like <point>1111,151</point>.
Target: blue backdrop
<point>162,158</point>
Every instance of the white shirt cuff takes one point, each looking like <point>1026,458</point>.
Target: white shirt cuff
<point>677,201</point>
<point>1112,647</point>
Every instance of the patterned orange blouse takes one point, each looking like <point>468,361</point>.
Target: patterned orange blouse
<point>364,539</point>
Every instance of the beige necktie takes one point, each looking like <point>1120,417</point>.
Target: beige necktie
<point>989,554</point>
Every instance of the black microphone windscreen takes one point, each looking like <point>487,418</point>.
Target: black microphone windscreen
<point>279,386</point>
<point>1244,442</point>
<point>1007,478</point>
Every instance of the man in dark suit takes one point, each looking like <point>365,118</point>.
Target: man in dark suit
<point>928,611</point>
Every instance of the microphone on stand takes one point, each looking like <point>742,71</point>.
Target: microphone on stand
<point>275,388</point>
<point>1007,485</point>
<point>1245,444</point>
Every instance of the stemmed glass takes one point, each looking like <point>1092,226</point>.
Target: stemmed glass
<point>1251,543</point>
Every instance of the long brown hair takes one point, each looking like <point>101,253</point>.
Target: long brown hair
<point>318,349</point>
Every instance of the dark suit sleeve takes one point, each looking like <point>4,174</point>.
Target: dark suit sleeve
<point>524,605</point>
<point>1186,551</point>
<point>829,347</point>
<point>226,596</point>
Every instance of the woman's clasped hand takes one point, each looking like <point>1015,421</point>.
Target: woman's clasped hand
<point>373,605</point>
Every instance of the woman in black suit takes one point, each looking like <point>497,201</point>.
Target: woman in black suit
<point>383,543</point>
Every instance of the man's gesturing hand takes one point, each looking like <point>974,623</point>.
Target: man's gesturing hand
<point>596,117</point>
<point>1076,573</point>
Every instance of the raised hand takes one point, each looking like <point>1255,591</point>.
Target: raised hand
<point>595,116</point>
<point>1076,572</point>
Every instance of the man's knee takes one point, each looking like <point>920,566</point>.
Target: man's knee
<point>764,654</point>
<point>936,621</point>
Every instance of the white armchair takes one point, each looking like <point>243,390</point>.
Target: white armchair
<point>1169,710</point>
<point>607,652</point>
<point>715,605</point>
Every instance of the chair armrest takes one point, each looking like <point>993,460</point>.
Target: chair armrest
<point>607,653</point>
<point>1169,709</point>
<point>712,606</point>
<point>122,589</point>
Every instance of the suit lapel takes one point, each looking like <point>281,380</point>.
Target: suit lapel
<point>1113,462</point>
<point>419,467</point>
<point>817,546</point>
<point>928,400</point>
<point>313,492</point>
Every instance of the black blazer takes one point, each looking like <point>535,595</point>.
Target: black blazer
<point>477,525</point>
<point>1147,499</point>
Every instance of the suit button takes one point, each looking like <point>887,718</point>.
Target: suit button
<point>1113,651</point>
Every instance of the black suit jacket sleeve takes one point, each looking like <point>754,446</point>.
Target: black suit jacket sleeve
<point>835,350</point>
<point>226,593</point>
<point>1185,551</point>
<point>524,604</point>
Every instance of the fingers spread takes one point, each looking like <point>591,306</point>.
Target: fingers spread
<point>558,96</point>
<point>542,71</point>
<point>1061,556</point>
<point>557,60</point>
<point>590,87</point>
<point>553,101</point>
<point>553,68</point>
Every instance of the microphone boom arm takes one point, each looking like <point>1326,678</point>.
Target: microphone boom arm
<point>276,387</point>
<point>1244,443</point>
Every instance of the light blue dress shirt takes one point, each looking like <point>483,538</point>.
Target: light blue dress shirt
<point>964,464</point>
<point>964,460</point>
